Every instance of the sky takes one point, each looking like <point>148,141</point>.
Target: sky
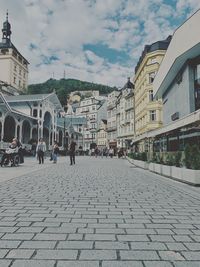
<point>98,41</point>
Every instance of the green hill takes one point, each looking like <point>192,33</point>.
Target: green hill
<point>64,87</point>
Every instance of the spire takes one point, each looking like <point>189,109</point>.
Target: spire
<point>6,30</point>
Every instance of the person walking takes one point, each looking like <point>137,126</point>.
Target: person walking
<point>55,152</point>
<point>72,150</point>
<point>40,149</point>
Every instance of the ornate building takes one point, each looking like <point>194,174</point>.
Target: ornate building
<point>13,66</point>
<point>29,117</point>
<point>112,119</point>
<point>148,111</point>
<point>125,116</point>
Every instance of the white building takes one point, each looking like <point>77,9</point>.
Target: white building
<point>102,135</point>
<point>94,110</point>
<point>13,66</point>
<point>112,119</point>
<point>29,117</point>
<point>125,116</point>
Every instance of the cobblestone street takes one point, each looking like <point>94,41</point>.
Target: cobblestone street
<point>98,213</point>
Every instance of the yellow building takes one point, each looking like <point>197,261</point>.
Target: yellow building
<point>148,111</point>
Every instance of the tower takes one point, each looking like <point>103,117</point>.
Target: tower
<point>13,66</point>
<point>6,31</point>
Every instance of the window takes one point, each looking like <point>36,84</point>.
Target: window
<point>15,67</point>
<point>14,80</point>
<point>35,113</point>
<point>19,83</point>
<point>20,72</point>
<point>153,60</point>
<point>152,115</point>
<point>151,77</point>
<point>151,95</point>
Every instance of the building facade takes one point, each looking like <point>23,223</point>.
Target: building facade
<point>148,111</point>
<point>178,83</point>
<point>102,135</point>
<point>125,116</point>
<point>29,117</point>
<point>112,119</point>
<point>94,110</point>
<point>13,66</point>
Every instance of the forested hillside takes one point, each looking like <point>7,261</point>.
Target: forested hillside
<point>64,87</point>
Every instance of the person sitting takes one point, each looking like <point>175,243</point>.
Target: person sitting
<point>10,152</point>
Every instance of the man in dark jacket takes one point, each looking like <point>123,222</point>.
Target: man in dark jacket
<point>72,150</point>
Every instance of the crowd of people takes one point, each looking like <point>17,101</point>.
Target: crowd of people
<point>14,154</point>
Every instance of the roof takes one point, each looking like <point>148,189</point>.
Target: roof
<point>159,45</point>
<point>10,45</point>
<point>4,105</point>
<point>66,121</point>
<point>185,44</point>
<point>37,97</point>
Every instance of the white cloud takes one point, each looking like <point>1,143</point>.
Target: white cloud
<point>63,27</point>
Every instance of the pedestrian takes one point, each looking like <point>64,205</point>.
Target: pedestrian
<point>55,152</point>
<point>33,148</point>
<point>72,150</point>
<point>40,149</point>
<point>96,151</point>
<point>111,152</point>
<point>20,151</point>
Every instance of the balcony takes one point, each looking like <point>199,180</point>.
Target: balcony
<point>128,107</point>
<point>111,106</point>
<point>111,128</point>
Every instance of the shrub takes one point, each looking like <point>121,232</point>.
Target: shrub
<point>192,157</point>
<point>177,159</point>
<point>169,159</point>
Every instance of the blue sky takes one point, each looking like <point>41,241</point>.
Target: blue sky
<point>93,40</point>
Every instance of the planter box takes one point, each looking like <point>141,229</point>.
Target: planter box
<point>141,164</point>
<point>181,174</point>
<point>176,172</point>
<point>166,170</point>
<point>151,166</point>
<point>191,176</point>
<point>158,168</point>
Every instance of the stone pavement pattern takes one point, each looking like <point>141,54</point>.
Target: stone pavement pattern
<point>98,213</point>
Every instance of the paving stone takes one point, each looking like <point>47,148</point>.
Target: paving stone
<point>98,255</point>
<point>18,236</point>
<point>191,255</point>
<point>50,236</point>
<point>171,256</point>
<point>9,243</point>
<point>5,263</point>
<point>175,246</point>
<point>38,244</point>
<point>139,255</point>
<point>157,264</point>
<point>111,245</point>
<point>132,238</point>
<point>33,263</point>
<point>56,254</point>
<point>122,264</point>
<point>148,246</point>
<point>78,264</point>
<point>20,254</point>
<point>187,264</point>
<point>75,245</point>
<point>3,252</point>
<point>108,237</point>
